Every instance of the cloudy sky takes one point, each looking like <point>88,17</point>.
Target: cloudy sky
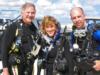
<point>57,8</point>
<point>61,8</point>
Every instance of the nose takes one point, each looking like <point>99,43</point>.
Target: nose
<point>30,14</point>
<point>76,19</point>
<point>49,29</point>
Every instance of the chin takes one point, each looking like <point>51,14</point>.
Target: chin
<point>51,35</point>
<point>79,27</point>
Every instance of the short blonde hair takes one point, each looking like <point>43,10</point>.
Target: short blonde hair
<point>48,20</point>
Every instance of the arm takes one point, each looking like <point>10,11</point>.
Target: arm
<point>5,71</point>
<point>5,46</point>
<point>97,65</point>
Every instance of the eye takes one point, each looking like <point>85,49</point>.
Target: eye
<point>78,16</point>
<point>73,18</point>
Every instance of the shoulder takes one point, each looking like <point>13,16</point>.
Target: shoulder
<point>33,27</point>
<point>10,29</point>
<point>90,27</point>
<point>13,25</point>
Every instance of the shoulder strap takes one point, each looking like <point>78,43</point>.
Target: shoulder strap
<point>60,48</point>
<point>17,42</point>
<point>63,37</point>
<point>19,30</point>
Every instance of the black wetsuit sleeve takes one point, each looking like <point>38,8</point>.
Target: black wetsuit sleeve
<point>7,40</point>
<point>69,57</point>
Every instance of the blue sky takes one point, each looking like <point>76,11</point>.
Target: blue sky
<point>57,8</point>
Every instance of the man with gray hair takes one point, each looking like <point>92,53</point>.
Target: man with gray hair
<point>18,42</point>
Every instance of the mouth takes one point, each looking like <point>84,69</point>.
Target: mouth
<point>78,22</point>
<point>51,32</point>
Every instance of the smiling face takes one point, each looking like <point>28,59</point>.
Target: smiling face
<point>28,14</point>
<point>49,26</point>
<point>50,30</point>
<point>78,17</point>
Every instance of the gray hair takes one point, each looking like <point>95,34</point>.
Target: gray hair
<point>26,5</point>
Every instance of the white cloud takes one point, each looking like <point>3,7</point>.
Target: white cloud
<point>57,12</point>
<point>76,3</point>
<point>11,3</point>
<point>43,3</point>
<point>88,9</point>
<point>94,14</point>
<point>56,9</point>
<point>94,2</point>
<point>59,9</point>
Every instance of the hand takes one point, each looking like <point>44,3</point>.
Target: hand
<point>97,65</point>
<point>5,71</point>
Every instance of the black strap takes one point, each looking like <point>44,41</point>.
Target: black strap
<point>63,40</point>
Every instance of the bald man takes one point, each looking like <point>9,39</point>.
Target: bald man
<point>78,18</point>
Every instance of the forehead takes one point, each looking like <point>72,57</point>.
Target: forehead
<point>75,14</point>
<point>50,24</point>
<point>30,8</point>
<point>76,11</point>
